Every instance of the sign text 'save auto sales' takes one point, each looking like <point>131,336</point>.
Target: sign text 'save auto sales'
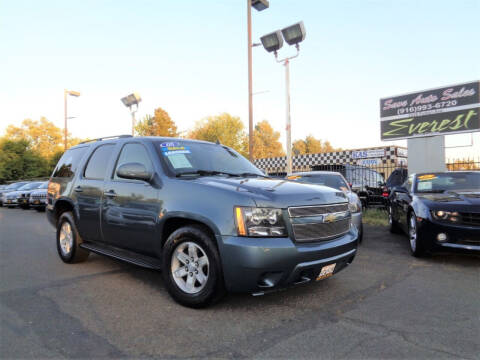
<point>446,110</point>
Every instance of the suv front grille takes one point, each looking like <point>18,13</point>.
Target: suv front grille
<point>321,231</point>
<point>472,219</point>
<point>317,210</point>
<point>320,222</point>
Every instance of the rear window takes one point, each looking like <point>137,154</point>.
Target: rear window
<point>68,163</point>
<point>97,165</point>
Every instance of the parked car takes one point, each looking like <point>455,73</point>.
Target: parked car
<point>10,188</point>
<point>11,198</point>
<point>337,181</point>
<point>396,178</point>
<point>200,212</point>
<point>438,211</point>
<point>38,197</point>
<point>23,193</point>
<point>366,182</point>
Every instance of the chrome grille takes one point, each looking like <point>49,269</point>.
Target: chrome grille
<point>317,210</point>
<point>320,231</point>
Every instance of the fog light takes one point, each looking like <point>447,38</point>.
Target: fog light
<point>442,237</point>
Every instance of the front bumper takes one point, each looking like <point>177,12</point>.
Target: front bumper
<point>23,201</point>
<point>10,202</point>
<point>357,220</point>
<point>460,238</point>
<point>266,264</point>
<point>38,203</point>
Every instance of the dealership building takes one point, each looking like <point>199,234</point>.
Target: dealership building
<point>382,159</point>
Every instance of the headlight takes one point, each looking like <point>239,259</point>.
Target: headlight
<point>259,222</point>
<point>451,216</point>
<point>354,207</point>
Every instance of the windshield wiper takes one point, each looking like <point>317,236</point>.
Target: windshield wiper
<point>205,173</point>
<point>246,174</point>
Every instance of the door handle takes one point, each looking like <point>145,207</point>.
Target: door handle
<point>110,193</point>
<point>78,189</point>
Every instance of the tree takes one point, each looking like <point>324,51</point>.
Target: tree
<point>160,124</point>
<point>18,161</point>
<point>225,128</point>
<point>266,142</point>
<point>42,136</point>
<point>311,145</point>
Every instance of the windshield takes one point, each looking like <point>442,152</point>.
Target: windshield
<point>438,183</point>
<point>15,186</point>
<point>44,185</point>
<point>204,159</point>
<point>29,186</point>
<point>331,180</point>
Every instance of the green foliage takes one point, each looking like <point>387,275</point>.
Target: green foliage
<point>375,217</point>
<point>18,161</point>
<point>160,124</point>
<point>225,128</point>
<point>311,145</point>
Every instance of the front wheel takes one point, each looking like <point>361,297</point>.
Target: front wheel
<point>416,245</point>
<point>191,267</point>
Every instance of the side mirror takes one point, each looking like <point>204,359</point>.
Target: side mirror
<point>135,171</point>
<point>399,189</point>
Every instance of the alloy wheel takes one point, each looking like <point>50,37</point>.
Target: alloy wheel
<point>66,238</point>
<point>412,232</point>
<point>190,267</point>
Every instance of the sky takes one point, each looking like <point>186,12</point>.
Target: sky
<point>190,58</point>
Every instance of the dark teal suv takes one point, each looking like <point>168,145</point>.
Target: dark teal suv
<point>199,212</point>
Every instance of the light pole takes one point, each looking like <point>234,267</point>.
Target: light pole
<point>65,94</point>
<point>129,101</point>
<point>272,42</point>
<point>259,5</point>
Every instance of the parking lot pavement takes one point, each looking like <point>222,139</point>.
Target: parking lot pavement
<point>387,304</point>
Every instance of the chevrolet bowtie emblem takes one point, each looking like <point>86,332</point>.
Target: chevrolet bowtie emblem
<point>330,218</point>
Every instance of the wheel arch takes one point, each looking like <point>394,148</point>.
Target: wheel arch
<point>62,205</point>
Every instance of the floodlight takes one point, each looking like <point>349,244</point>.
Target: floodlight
<point>260,4</point>
<point>294,34</point>
<point>73,93</point>
<point>273,41</point>
<point>132,99</point>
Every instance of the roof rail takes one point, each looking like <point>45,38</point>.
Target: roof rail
<point>107,138</point>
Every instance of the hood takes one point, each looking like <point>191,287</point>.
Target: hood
<point>12,193</point>
<point>453,198</point>
<point>276,192</point>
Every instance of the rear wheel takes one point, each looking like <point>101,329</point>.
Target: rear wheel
<point>191,267</point>
<point>394,227</point>
<point>68,240</point>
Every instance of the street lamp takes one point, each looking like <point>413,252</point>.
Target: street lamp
<point>65,94</point>
<point>259,5</point>
<point>129,101</point>
<point>273,42</point>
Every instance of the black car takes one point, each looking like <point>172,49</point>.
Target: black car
<point>199,212</point>
<point>438,211</point>
<point>396,178</point>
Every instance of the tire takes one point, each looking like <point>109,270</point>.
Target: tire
<point>394,227</point>
<point>68,240</point>
<point>198,283</point>
<point>360,234</point>
<point>416,245</point>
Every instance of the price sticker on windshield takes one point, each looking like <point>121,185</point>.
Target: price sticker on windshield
<point>172,148</point>
<point>427,177</point>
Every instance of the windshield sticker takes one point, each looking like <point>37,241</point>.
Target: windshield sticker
<point>174,148</point>
<point>427,177</point>
<point>424,186</point>
<point>179,161</point>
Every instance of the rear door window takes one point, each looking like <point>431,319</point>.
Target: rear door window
<point>98,162</point>
<point>67,165</point>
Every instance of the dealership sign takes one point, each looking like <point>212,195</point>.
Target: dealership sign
<point>369,162</point>
<point>446,110</point>
<point>362,154</point>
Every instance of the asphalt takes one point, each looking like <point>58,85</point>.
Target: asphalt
<point>387,304</point>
